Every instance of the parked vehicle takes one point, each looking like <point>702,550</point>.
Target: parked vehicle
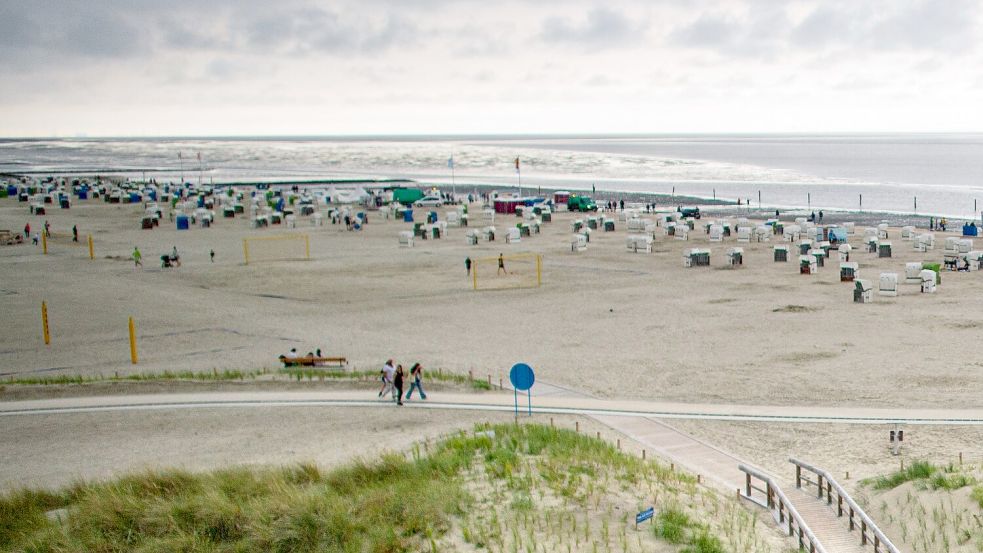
<point>429,201</point>
<point>581,203</point>
<point>693,212</point>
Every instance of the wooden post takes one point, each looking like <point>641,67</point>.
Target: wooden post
<point>551,422</point>
<point>643,454</point>
<point>960,457</point>
<point>747,483</point>
<point>133,342</point>
<point>500,387</point>
<point>839,505</point>
<point>44,323</point>
<point>847,475</point>
<point>902,463</point>
<point>699,479</point>
<point>863,532</point>
<point>489,381</point>
<point>576,426</point>
<point>829,493</point>
<point>851,518</point>
<point>820,485</point>
<point>672,467</point>
<point>92,253</point>
<point>798,476</point>
<point>619,444</point>
<point>598,434</point>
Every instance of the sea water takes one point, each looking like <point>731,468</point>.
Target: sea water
<point>940,174</point>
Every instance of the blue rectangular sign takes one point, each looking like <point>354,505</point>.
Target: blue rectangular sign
<point>644,515</point>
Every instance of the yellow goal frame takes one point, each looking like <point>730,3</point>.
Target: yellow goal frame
<point>494,260</point>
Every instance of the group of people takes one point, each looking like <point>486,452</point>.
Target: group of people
<point>394,378</point>
<point>36,238</point>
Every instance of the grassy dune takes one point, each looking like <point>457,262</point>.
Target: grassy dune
<point>503,488</point>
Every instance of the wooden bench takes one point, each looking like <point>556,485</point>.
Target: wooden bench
<point>313,361</point>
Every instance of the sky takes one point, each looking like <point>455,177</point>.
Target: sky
<point>363,67</point>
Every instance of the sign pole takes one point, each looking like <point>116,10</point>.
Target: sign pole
<point>515,394</point>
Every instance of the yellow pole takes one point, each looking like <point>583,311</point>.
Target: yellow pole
<point>92,253</point>
<point>44,323</point>
<point>133,342</point>
<point>539,270</point>
<point>474,273</point>
<point>245,250</point>
<point>307,246</point>
<point>44,243</point>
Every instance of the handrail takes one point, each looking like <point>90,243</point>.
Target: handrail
<point>865,521</point>
<point>783,504</point>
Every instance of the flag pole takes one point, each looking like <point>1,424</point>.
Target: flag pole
<point>518,176</point>
<point>181,160</point>
<point>453,183</point>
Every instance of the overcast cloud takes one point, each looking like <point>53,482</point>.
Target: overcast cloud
<point>142,67</point>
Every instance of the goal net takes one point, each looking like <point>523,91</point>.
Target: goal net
<point>522,270</point>
<point>282,247</point>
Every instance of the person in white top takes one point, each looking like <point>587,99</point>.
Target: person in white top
<point>388,372</point>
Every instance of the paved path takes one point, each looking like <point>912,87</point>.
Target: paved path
<point>558,401</point>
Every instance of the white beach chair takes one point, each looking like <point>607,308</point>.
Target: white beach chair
<point>808,265</point>
<point>471,237</point>
<point>888,284</point>
<point>850,228</point>
<point>912,273</point>
<point>735,257</point>
<point>513,236</point>
<point>793,233</point>
<point>908,233</point>
<point>716,233</point>
<point>317,220</point>
<point>849,272</point>
<point>743,234</point>
<point>453,218</point>
<point>488,234</point>
<point>928,281</point>
<point>763,233</point>
<point>882,230</point>
<point>863,291</point>
<point>951,245</point>
<point>406,238</point>
<point>781,254</point>
<point>964,245</point>
<point>925,242</point>
<point>682,232</point>
<point>639,242</point>
<point>578,243</point>
<point>805,246</point>
<point>844,250</point>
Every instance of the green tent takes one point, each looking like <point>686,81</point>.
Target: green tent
<point>407,196</point>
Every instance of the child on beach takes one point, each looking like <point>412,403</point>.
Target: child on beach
<point>501,264</point>
<point>137,257</point>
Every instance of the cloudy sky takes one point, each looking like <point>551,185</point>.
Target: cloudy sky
<point>248,67</point>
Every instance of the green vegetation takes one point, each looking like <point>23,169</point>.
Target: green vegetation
<point>215,375</point>
<point>503,488</point>
<point>924,474</point>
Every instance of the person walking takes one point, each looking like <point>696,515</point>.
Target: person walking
<point>501,264</point>
<point>211,254</point>
<point>417,373</point>
<point>75,233</point>
<point>137,257</point>
<point>467,265</point>
<point>27,231</point>
<point>175,258</point>
<point>820,216</point>
<point>388,371</point>
<point>398,384</point>
<point>47,229</point>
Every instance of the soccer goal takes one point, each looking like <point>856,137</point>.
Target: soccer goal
<point>524,270</point>
<point>282,247</point>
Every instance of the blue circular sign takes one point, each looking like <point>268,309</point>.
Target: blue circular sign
<point>521,376</point>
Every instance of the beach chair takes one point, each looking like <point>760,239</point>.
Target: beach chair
<point>870,232</point>
<point>592,223</point>
<point>639,242</point>
<point>762,233</point>
<point>635,225</point>
<point>964,245</point>
<point>488,214</point>
<point>844,250</point>
<point>820,257</point>
<point>849,272</point>
<point>912,273</point>
<point>513,236</point>
<point>882,230</point>
<point>925,242</point>
<point>908,233</point>
<point>975,258</point>
<point>669,229</point>
<point>608,224</point>
<point>807,265</point>
<point>805,246</point>
<point>317,220</point>
<point>578,243</point>
<point>471,237</point>
<point>792,233</point>
<point>406,238</point>
<point>888,285</point>
<point>801,221</point>
<point>453,218</point>
<point>850,228</point>
<point>716,233</point>
<point>577,224</point>
<point>488,234</point>
<point>682,232</point>
<point>743,234</point>
<point>781,254</point>
<point>884,249</point>
<point>928,281</point>
<point>872,243</point>
<point>735,257</point>
<point>863,291</point>
<point>951,245</point>
<point>291,221</point>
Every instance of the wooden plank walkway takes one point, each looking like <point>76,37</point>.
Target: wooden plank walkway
<point>831,531</point>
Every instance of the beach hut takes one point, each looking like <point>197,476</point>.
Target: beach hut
<point>561,197</point>
<point>735,257</point>
<point>781,254</point>
<point>912,273</point>
<point>513,235</point>
<point>807,265</point>
<point>908,233</point>
<point>863,291</point>
<point>743,233</point>
<point>406,238</point>
<point>682,232</point>
<point>928,282</point>
<point>888,285</point>
<point>578,243</point>
<point>696,257</point>
<point>849,272</point>
<point>639,242</point>
<point>716,233</point>
<point>884,249</point>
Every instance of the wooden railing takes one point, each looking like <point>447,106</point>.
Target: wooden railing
<point>827,486</point>
<point>775,501</point>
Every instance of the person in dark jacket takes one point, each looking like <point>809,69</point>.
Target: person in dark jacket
<point>398,384</point>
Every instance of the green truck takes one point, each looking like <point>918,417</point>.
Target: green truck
<point>581,203</point>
